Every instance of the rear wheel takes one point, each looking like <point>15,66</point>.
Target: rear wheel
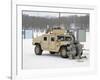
<point>63,52</point>
<point>38,50</point>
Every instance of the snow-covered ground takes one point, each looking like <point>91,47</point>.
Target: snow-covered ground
<point>46,60</point>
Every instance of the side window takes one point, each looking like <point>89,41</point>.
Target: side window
<point>52,38</point>
<point>45,38</point>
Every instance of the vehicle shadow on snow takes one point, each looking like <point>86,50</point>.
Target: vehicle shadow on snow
<point>56,55</point>
<point>50,55</point>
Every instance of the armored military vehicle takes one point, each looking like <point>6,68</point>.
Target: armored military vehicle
<point>57,40</point>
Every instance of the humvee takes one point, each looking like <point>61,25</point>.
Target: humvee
<point>57,40</point>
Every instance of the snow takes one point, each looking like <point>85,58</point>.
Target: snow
<point>46,60</point>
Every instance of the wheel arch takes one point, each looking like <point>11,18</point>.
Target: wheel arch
<point>37,44</point>
<point>62,47</point>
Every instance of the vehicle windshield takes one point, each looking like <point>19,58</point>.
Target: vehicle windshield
<point>64,38</point>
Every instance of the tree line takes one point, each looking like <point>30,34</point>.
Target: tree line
<point>41,23</point>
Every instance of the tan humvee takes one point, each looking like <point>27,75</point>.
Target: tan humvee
<point>57,40</point>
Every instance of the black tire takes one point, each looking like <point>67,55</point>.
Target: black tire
<point>63,52</point>
<point>38,50</point>
<point>52,52</point>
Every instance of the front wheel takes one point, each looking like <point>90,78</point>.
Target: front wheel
<point>38,50</point>
<point>63,52</point>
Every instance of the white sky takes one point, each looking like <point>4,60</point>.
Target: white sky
<point>41,14</point>
<point>48,14</point>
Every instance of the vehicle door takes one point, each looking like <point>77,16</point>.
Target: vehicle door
<point>45,42</point>
<point>52,45</point>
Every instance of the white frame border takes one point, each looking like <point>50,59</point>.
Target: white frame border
<point>16,48</point>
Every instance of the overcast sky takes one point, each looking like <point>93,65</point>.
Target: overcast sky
<point>49,14</point>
